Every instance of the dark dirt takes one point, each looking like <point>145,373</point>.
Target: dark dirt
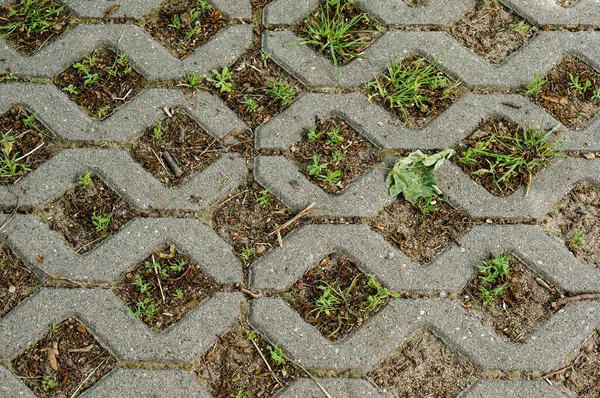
<point>498,127</point>
<point>420,237</point>
<point>180,136</point>
<point>16,281</point>
<point>28,134</point>
<point>582,377</point>
<point>71,215</point>
<point>414,3</point>
<point>348,12</point>
<point>169,281</point>
<point>68,354</point>
<point>423,367</point>
<point>197,26</point>
<point>486,30</point>
<point>259,4</point>
<point>566,3</point>
<point>574,110</point>
<point>435,99</point>
<point>103,97</point>
<point>355,154</point>
<point>347,285</point>
<point>234,364</point>
<point>24,42</point>
<point>519,310</point>
<point>575,220</point>
<point>245,223</point>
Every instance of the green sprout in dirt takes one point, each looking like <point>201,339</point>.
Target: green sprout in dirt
<point>381,296</point>
<point>576,238</point>
<point>156,268</point>
<point>102,112</point>
<point>317,167</point>
<point>247,252</point>
<point>85,178</point>
<point>49,383</point>
<point>143,309</point>
<point>521,28</point>
<point>10,166</point>
<point>262,197</point>
<point>222,80</point>
<point>7,77</point>
<point>414,177</point>
<point>313,135</point>
<point>178,293</point>
<point>101,222</point>
<point>579,87</point>
<point>413,85</point>
<point>28,121</point>
<point>32,17</point>
<point>251,335</point>
<point>157,132</point>
<point>337,157</point>
<point>239,394</point>
<point>71,89</point>
<point>332,177</point>
<point>175,22</point>
<point>53,327</point>
<point>251,104</point>
<point>277,355</point>
<point>193,81</point>
<point>144,287</point>
<point>178,266</point>
<point>596,95</point>
<point>334,138</point>
<point>279,91</point>
<point>491,273</point>
<point>534,86</point>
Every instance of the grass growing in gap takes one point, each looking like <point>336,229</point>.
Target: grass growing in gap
<point>222,80</point>
<point>579,87</point>
<point>32,17</point>
<point>494,274</point>
<point>279,91</point>
<point>534,86</point>
<point>10,166</point>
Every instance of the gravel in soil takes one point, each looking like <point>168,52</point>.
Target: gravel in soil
<point>575,221</point>
<point>423,367</point>
<point>336,297</point>
<point>176,148</point>
<point>233,367</point>
<point>247,217</point>
<point>101,82</point>
<point>573,109</point>
<point>16,281</point>
<point>516,312</point>
<point>420,237</point>
<point>488,29</point>
<point>164,287</point>
<point>582,377</point>
<point>333,155</point>
<point>76,215</point>
<point>184,25</point>
<point>30,27</point>
<point>68,360</point>
<point>25,144</point>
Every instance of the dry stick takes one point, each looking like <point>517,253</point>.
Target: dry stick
<point>30,152</point>
<point>294,219</point>
<point>125,97</point>
<point>587,296</point>
<point>87,378</point>
<point>158,279</point>
<point>61,278</point>
<point>160,160</point>
<point>250,293</point>
<point>233,197</point>
<point>267,363</point>
<point>556,372</point>
<point>172,163</point>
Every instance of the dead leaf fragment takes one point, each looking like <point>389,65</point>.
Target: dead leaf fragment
<point>52,353</point>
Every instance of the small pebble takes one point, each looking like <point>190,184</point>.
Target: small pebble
<point>12,289</point>
<point>589,156</point>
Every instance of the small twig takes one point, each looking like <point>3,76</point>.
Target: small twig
<point>181,276</point>
<point>543,283</point>
<point>248,292</point>
<point>233,197</point>
<point>172,163</point>
<point>323,390</point>
<point>87,378</point>
<point>267,363</point>
<point>158,279</point>
<point>279,240</point>
<point>167,111</point>
<point>294,219</point>
<point>512,105</point>
<point>61,278</point>
<point>160,161</point>
<point>30,152</point>
<point>556,372</point>
<point>587,296</point>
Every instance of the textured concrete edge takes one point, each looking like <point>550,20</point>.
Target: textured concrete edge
<point>513,389</point>
<point>336,388</point>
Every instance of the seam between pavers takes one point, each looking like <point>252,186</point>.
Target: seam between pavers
<point>444,131</point>
<point>451,270</point>
<point>103,313</point>
<point>457,61</point>
<point>543,12</point>
<point>51,106</point>
<point>31,240</point>
<point>336,387</point>
<point>542,351</point>
<point>512,388</point>
<point>128,178</point>
<point>146,55</point>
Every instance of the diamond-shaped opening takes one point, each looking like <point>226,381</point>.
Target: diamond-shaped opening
<point>581,376</point>
<point>87,213</point>
<point>67,360</point>
<point>30,25</point>
<point>25,144</point>
<point>575,220</point>
<point>333,155</point>
<point>414,90</point>
<point>566,3</point>
<point>234,363</point>
<point>176,148</point>
<point>184,25</point>
<point>100,82</point>
<point>336,297</point>
<point>506,295</point>
<point>16,281</point>
<point>492,30</point>
<point>502,155</point>
<point>161,289</point>
<point>246,219</point>
<point>421,236</point>
<point>339,30</point>
<point>570,91</point>
<point>425,364</point>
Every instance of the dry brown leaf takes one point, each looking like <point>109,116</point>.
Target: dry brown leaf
<point>52,353</point>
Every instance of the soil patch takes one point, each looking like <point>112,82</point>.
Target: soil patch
<point>414,3</point>
<point>233,367</point>
<point>101,82</point>
<point>502,155</point>
<point>164,287</point>
<point>28,27</point>
<point>25,143</point>
<point>336,297</point>
<point>16,281</point>
<point>333,155</point>
<point>492,31</point>
<point>175,148</point>
<point>575,220</point>
<point>572,108</point>
<point>566,3</point>
<point>87,214</point>
<point>247,217</point>
<point>583,377</point>
<point>517,308</point>
<point>423,367</point>
<point>420,237</point>
<point>61,362</point>
<point>184,25</point>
